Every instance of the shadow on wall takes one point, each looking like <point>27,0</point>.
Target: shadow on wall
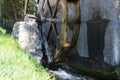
<point>100,39</point>
<point>96,29</point>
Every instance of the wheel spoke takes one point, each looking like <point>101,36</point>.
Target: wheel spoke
<point>56,35</point>
<point>43,5</point>
<point>56,7</point>
<point>49,32</point>
<point>55,29</point>
<point>49,7</point>
<point>53,26</point>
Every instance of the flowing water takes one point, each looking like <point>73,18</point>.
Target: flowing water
<point>62,74</point>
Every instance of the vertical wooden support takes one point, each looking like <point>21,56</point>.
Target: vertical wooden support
<point>25,8</point>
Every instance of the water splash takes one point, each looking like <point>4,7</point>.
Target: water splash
<point>64,75</point>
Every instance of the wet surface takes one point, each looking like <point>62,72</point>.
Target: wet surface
<point>65,72</point>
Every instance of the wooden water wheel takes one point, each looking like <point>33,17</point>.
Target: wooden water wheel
<point>60,31</point>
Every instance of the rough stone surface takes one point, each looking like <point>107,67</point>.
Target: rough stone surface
<point>112,44</point>
<point>106,9</point>
<point>28,37</point>
<point>82,46</point>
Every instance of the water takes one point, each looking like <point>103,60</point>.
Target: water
<point>62,74</point>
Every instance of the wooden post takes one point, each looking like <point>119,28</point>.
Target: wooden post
<point>25,8</point>
<point>0,12</point>
<point>14,9</point>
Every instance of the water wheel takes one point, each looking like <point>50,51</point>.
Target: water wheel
<point>61,32</point>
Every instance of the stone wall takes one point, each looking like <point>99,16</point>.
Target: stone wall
<point>105,10</point>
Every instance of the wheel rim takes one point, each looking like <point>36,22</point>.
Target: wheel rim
<point>68,46</point>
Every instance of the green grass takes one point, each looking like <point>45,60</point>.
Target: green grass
<point>16,64</point>
<point>2,31</point>
<point>117,69</point>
